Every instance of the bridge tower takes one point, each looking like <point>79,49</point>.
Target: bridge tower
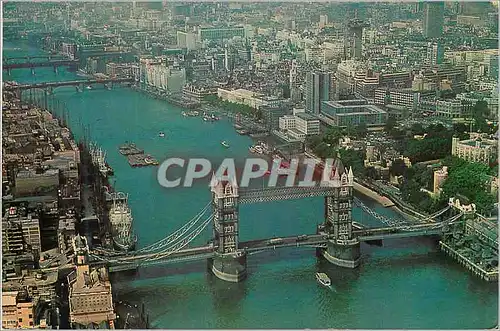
<point>229,262</point>
<point>342,248</point>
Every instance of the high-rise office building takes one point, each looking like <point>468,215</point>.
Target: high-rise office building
<point>355,38</point>
<point>433,19</point>
<point>294,88</point>
<point>323,21</point>
<point>435,54</point>
<point>318,88</point>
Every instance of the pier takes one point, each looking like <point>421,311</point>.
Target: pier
<point>490,276</point>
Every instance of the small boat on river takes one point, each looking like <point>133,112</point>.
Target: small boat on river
<point>323,279</point>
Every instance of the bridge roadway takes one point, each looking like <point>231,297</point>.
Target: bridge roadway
<point>185,255</point>
<point>56,63</point>
<point>47,56</point>
<point>129,262</point>
<point>86,54</point>
<point>11,87</point>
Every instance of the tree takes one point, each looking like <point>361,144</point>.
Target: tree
<point>354,159</point>
<point>480,112</point>
<point>333,135</point>
<point>371,172</point>
<point>398,168</point>
<point>417,129</point>
<point>390,124</point>
<point>461,130</point>
<point>480,109</point>
<point>313,141</point>
<point>472,181</point>
<point>361,130</point>
<point>323,150</point>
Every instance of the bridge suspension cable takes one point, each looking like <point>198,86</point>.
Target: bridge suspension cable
<point>175,235</point>
<point>436,214</point>
<point>169,251</point>
<point>434,225</point>
<point>383,219</point>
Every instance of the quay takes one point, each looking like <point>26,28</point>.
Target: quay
<point>489,276</point>
<point>384,201</point>
<point>176,100</point>
<point>181,102</point>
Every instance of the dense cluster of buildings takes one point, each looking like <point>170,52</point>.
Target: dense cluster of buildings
<point>42,207</point>
<point>427,59</point>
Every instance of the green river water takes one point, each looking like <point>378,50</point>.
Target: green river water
<point>404,284</point>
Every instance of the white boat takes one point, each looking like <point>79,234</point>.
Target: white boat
<point>161,134</point>
<point>89,87</point>
<point>323,279</point>
<point>150,160</point>
<point>120,219</point>
<point>225,144</point>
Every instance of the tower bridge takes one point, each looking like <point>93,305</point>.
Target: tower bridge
<point>337,238</point>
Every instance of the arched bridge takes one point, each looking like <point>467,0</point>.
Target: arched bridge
<point>47,85</point>
<point>52,63</point>
<point>337,239</point>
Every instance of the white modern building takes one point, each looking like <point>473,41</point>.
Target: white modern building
<point>298,126</point>
<point>449,108</point>
<point>249,98</point>
<point>307,123</point>
<point>156,74</point>
<point>287,122</point>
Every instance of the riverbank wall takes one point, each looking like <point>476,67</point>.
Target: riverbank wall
<point>384,201</point>
<point>399,205</point>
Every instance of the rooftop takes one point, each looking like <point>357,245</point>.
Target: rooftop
<point>350,107</point>
<point>306,116</point>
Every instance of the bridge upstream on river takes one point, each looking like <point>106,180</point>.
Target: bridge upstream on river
<point>52,85</point>
<point>337,239</point>
<point>48,57</point>
<point>53,63</point>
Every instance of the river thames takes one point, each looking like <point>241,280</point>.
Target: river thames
<point>404,284</point>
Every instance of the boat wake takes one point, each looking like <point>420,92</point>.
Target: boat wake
<point>332,288</point>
